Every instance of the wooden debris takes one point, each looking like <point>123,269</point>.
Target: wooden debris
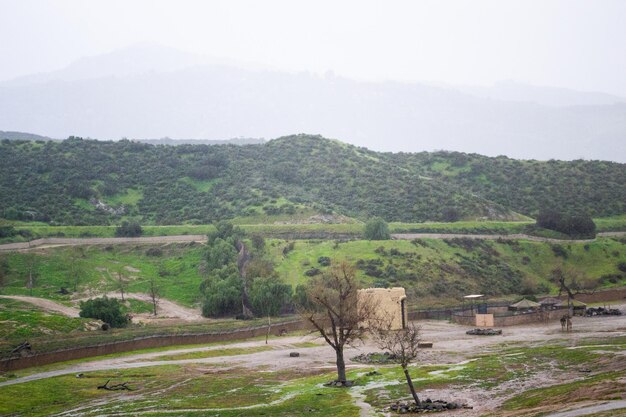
<point>117,387</point>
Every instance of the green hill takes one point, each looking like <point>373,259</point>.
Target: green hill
<point>430,269</point>
<point>88,182</point>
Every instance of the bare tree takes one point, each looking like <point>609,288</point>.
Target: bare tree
<point>403,344</point>
<point>31,263</point>
<point>75,270</point>
<point>121,282</point>
<point>4,271</point>
<point>573,282</point>
<point>155,294</point>
<point>331,307</point>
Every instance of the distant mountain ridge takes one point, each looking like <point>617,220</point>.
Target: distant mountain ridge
<point>22,136</point>
<point>176,142</point>
<point>79,181</point>
<point>162,141</point>
<point>145,93</point>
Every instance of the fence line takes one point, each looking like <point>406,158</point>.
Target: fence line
<point>145,342</point>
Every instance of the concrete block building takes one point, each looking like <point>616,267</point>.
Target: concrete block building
<point>390,305</point>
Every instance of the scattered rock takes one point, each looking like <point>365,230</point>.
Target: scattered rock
<point>427,405</point>
<point>484,332</point>
<point>375,357</point>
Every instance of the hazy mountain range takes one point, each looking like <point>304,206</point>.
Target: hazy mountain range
<point>153,92</point>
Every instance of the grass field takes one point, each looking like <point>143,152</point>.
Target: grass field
<point>174,267</point>
<point>456,261</point>
<point>203,389</point>
<point>419,266</point>
<point>22,321</point>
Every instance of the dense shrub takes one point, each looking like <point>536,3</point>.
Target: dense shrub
<point>323,260</point>
<point>109,310</point>
<point>155,252</point>
<point>312,272</point>
<point>376,229</point>
<point>128,229</point>
<point>575,226</point>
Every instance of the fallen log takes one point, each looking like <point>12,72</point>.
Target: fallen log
<point>117,387</point>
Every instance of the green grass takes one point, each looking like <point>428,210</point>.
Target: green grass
<point>567,393</point>
<point>22,321</point>
<point>199,185</point>
<point>180,388</point>
<point>130,197</point>
<point>210,390</point>
<point>264,224</point>
<point>534,261</point>
<point>607,224</point>
<point>83,204</point>
<point>176,271</point>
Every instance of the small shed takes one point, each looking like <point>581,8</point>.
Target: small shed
<point>524,304</point>
<point>549,303</point>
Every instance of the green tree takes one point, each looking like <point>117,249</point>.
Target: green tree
<point>222,292</point>
<point>226,231</point>
<point>376,229</point>
<point>109,310</point>
<point>268,296</point>
<point>220,254</point>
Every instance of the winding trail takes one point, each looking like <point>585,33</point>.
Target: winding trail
<point>516,236</point>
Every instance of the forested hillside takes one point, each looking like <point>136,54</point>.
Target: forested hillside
<point>80,181</point>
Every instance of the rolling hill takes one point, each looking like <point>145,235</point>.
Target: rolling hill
<point>84,182</point>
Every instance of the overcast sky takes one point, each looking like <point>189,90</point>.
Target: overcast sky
<point>565,43</point>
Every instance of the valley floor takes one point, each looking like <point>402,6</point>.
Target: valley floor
<point>530,370</point>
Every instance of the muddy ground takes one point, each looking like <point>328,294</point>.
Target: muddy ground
<point>451,345</point>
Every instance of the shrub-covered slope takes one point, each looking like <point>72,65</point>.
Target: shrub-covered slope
<point>94,182</point>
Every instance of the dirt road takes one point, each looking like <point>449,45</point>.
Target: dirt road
<point>52,242</point>
<point>411,236</point>
<point>165,309</point>
<point>47,305</point>
<point>61,241</point>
